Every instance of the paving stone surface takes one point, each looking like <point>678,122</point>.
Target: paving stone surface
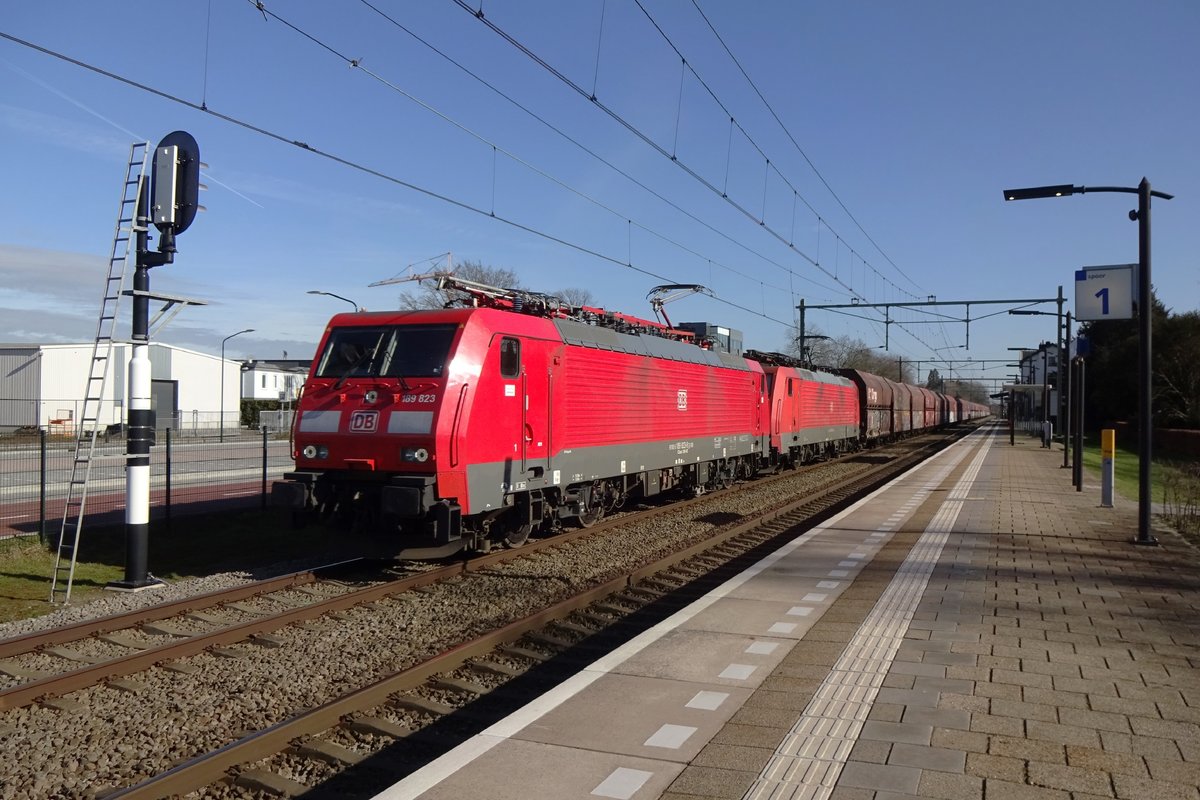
<point>1083,681</point>
<point>1049,657</point>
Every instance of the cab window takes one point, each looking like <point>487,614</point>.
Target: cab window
<point>510,357</point>
<point>399,351</point>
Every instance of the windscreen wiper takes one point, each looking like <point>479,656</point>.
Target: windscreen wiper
<point>361,360</point>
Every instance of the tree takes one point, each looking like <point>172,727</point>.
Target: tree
<point>1177,371</point>
<point>1110,374</point>
<point>934,381</point>
<point>968,390</point>
<point>1110,385</point>
<point>576,296</point>
<point>426,295</point>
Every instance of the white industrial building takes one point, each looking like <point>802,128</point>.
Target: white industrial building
<point>43,385</point>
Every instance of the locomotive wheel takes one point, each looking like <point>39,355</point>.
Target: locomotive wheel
<point>595,510</point>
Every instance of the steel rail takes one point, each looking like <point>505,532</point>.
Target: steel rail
<point>83,677</point>
<point>29,642</point>
<point>91,675</point>
<point>216,765</point>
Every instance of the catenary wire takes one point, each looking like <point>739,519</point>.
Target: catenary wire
<point>645,138</point>
<point>584,148</point>
<point>800,149</point>
<point>346,162</point>
<point>712,93</point>
<point>203,108</point>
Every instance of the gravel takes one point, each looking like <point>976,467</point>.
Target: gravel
<point>121,602</point>
<point>116,737</point>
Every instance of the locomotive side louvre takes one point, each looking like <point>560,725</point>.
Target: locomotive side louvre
<point>613,399</point>
<point>829,404</point>
<point>630,404</point>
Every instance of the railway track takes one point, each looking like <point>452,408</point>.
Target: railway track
<point>424,699</point>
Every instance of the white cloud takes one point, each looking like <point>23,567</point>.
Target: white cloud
<point>62,132</point>
<point>50,275</point>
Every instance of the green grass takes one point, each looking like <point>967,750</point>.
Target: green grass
<point>1125,467</point>
<point>1174,483</point>
<point>194,546</point>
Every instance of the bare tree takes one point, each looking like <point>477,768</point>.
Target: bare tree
<point>425,295</point>
<point>576,296</point>
<point>846,352</point>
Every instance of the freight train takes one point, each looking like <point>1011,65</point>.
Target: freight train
<point>475,425</point>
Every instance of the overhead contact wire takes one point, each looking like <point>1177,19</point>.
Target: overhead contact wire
<point>661,150</point>
<point>800,149</point>
<point>584,148</point>
<point>364,169</point>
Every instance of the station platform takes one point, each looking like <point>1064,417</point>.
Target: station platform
<point>975,629</point>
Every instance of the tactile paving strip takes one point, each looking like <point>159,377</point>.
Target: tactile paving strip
<point>807,764</point>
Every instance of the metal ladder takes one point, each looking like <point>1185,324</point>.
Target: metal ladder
<point>88,425</point>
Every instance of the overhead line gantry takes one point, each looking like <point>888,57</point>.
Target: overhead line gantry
<point>932,301</point>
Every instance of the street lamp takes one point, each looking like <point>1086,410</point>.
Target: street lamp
<point>1145,313</point>
<point>221,436</point>
<point>338,296</point>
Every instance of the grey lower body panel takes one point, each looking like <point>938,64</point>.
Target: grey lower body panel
<point>489,483</point>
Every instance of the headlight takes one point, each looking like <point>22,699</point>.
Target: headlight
<point>309,451</point>
<point>313,451</point>
<point>371,396</point>
<point>417,454</point>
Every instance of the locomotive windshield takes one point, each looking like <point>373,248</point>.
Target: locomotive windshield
<point>407,351</point>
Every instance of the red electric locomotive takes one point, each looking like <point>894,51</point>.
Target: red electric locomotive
<point>466,427</point>
<point>475,425</point>
<point>813,414</point>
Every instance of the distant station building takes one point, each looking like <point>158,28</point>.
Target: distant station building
<point>273,379</point>
<point>42,385</point>
<point>1038,398</point>
<point>278,380</point>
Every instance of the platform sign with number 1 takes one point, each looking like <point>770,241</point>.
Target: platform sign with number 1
<point>1104,292</point>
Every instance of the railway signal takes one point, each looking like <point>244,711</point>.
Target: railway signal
<point>170,203</point>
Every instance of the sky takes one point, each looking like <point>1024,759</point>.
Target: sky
<point>773,152</point>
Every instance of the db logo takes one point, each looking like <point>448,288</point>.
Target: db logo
<point>364,422</point>
<point>681,400</point>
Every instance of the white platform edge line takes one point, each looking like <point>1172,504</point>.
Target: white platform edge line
<point>908,586</point>
<point>436,771</point>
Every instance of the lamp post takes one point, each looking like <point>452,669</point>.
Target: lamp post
<point>1145,315</point>
<point>221,435</point>
<point>338,296</point>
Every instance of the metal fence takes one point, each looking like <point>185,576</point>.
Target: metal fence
<point>60,418</point>
<point>277,420</point>
<point>189,474</point>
